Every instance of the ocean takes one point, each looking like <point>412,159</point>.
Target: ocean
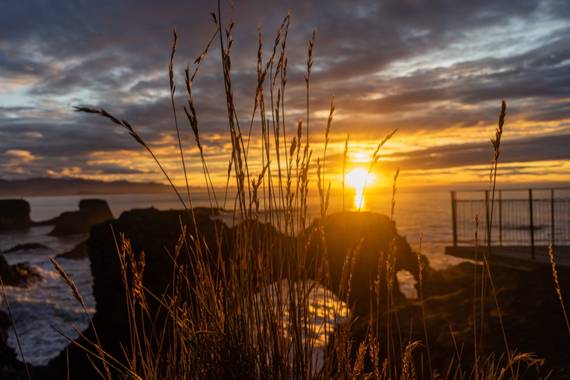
<point>46,314</point>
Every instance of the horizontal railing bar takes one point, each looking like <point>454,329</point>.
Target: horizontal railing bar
<point>521,189</point>
<point>517,200</point>
<point>514,242</point>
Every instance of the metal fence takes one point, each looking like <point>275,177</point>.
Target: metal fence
<point>513,218</point>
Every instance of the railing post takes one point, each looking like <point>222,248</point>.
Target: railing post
<point>487,219</point>
<point>531,224</point>
<point>454,218</point>
<point>500,217</point>
<point>552,230</point>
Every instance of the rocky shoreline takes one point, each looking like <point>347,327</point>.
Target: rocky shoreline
<point>15,215</point>
<point>529,307</point>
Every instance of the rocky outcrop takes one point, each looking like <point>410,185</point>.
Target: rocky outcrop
<point>91,212</point>
<point>77,253</point>
<point>25,247</point>
<point>528,304</point>
<point>14,214</point>
<point>157,233</point>
<point>20,274</point>
<point>10,367</point>
<point>370,240</point>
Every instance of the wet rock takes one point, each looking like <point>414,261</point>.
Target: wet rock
<point>20,274</point>
<point>14,214</point>
<point>10,367</point>
<point>25,247</point>
<point>91,212</point>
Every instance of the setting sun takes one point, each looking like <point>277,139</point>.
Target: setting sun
<point>358,179</point>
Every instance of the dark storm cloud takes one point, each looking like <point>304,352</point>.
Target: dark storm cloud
<point>543,72</point>
<point>115,55</point>
<point>69,140</point>
<point>554,147</point>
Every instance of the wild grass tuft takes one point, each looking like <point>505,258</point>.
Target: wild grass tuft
<point>557,286</point>
<point>227,317</point>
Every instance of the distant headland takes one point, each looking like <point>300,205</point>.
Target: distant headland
<point>75,186</point>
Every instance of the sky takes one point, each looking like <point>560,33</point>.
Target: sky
<point>436,70</point>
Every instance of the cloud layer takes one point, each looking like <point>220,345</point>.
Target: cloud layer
<point>436,70</point>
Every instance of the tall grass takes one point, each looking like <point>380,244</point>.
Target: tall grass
<point>227,317</point>
<point>557,286</point>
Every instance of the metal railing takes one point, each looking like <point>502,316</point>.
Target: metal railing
<point>529,217</point>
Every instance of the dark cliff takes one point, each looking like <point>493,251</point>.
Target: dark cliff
<point>14,214</point>
<point>91,212</point>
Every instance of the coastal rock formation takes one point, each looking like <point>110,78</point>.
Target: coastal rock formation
<point>370,240</point>
<point>152,231</point>
<point>157,233</point>
<point>10,367</point>
<point>14,214</point>
<point>452,310</point>
<point>16,275</point>
<point>7,354</point>
<point>91,212</point>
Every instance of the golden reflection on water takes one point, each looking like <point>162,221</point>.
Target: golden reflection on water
<point>320,313</point>
<point>359,199</point>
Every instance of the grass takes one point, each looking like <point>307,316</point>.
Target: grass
<point>557,286</point>
<point>227,318</point>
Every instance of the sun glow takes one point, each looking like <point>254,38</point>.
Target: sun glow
<point>358,179</point>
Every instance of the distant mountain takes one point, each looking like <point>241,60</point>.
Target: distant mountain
<point>75,186</point>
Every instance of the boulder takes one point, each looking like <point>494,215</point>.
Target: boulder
<point>14,214</point>
<point>20,274</point>
<point>91,212</point>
